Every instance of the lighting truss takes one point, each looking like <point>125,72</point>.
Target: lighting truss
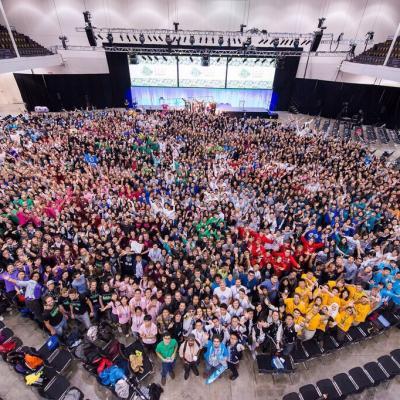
<point>193,52</point>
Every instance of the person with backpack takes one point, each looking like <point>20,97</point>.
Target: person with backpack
<point>189,352</point>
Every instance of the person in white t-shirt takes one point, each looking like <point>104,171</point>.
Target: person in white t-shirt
<point>224,293</point>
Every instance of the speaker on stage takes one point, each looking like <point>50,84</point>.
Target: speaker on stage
<point>90,35</point>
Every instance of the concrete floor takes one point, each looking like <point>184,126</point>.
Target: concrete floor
<point>250,385</point>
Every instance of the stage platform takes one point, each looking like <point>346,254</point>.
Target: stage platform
<point>225,109</point>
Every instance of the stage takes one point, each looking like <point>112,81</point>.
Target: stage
<point>223,109</point>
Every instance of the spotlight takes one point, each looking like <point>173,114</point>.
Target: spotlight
<point>133,59</point>
<point>234,41</point>
<point>321,23</point>
<point>291,42</point>
<point>191,59</point>
<point>156,58</point>
<point>100,37</point>
<point>266,41</point>
<point>87,16</point>
<point>242,26</point>
<point>127,36</point>
<point>141,38</point>
<point>244,60</point>
<point>263,61</point>
<point>176,26</point>
<point>240,42</point>
<point>168,40</point>
<point>191,40</point>
<point>340,37</point>
<point>149,58</point>
<point>110,38</point>
<point>221,40</point>
<point>164,58</point>
<point>206,39</point>
<point>212,39</point>
<point>184,39</point>
<point>160,38</point>
<point>271,62</point>
<point>218,59</point>
<point>229,42</point>
<point>305,40</point>
<point>296,43</point>
<point>261,41</point>
<point>283,41</point>
<point>205,61</point>
<point>200,39</point>
<point>255,62</point>
<point>155,38</point>
<point>229,59</point>
<point>178,41</point>
<point>275,42</point>
<point>144,58</point>
<point>148,37</point>
<point>134,37</point>
<point>64,41</point>
<point>122,39</point>
<point>370,35</point>
<point>352,49</point>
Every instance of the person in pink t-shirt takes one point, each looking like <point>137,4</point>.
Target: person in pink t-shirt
<point>148,333</point>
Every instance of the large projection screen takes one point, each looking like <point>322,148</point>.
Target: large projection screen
<point>251,73</point>
<point>193,74</point>
<point>154,71</point>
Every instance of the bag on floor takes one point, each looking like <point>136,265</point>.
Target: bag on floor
<point>155,391</point>
<point>33,362</point>
<point>122,389</point>
<point>73,338</point>
<point>15,357</point>
<point>112,349</point>
<point>52,342</point>
<point>5,348</point>
<point>34,379</point>
<point>110,376</point>
<point>278,363</point>
<point>92,333</point>
<point>22,369</point>
<point>105,332</point>
<point>73,394</point>
<point>103,364</point>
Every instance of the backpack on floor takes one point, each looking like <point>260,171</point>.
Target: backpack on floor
<point>155,391</point>
<point>73,394</point>
<point>7,347</point>
<point>33,362</point>
<point>122,389</point>
<point>34,379</point>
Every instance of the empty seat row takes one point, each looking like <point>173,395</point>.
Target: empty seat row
<point>356,380</point>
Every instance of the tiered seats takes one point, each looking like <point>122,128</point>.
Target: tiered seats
<point>376,55</point>
<point>26,46</point>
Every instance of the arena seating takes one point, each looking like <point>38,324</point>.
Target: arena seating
<point>376,55</point>
<point>26,46</point>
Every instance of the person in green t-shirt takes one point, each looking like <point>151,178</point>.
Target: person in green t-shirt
<point>166,352</point>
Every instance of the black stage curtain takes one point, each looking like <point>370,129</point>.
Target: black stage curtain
<point>68,92</point>
<point>380,104</point>
<point>119,77</point>
<point>283,85</point>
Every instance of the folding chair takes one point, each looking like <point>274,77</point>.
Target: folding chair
<point>345,384</point>
<point>368,329</point>
<point>389,365</point>
<point>327,387</point>
<point>312,348</point>
<point>60,360</point>
<point>300,355</point>
<point>291,396</point>
<point>395,354</point>
<point>356,334</point>
<point>329,344</point>
<point>360,378</point>
<point>376,372</point>
<point>310,392</point>
<point>147,364</point>
<point>56,388</point>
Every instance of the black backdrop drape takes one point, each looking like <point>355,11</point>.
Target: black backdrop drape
<point>381,104</point>
<point>65,91</point>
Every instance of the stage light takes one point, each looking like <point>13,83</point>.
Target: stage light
<point>206,39</point>
<point>122,39</point>
<point>240,42</point>
<point>321,23</point>
<point>178,41</point>
<point>159,37</point>
<point>133,59</point>
<point>275,42</point>
<point>184,39</point>
<point>64,41</point>
<point>156,58</point>
<point>87,16</point>
<point>191,59</point>
<point>242,26</point>
<point>229,59</point>
<point>150,59</point>
<point>127,36</point>
<point>352,49</point>
<point>234,41</point>
<point>283,41</point>
<point>205,61</point>
<point>134,37</point>
<point>141,38</point>
<point>305,40</point>
<point>221,40</point>
<point>200,39</point>
<point>370,35</point>
<point>176,26</point>
<point>247,42</point>
<point>144,58</point>
<point>164,58</point>
<point>263,61</point>
<point>296,43</point>
<point>244,60</point>
<point>100,37</point>
<point>272,60</point>
<point>229,42</point>
<point>261,41</point>
<point>255,62</point>
<point>212,39</point>
<point>191,40</point>
<point>155,38</point>
<point>291,42</point>
<point>148,37</point>
<point>168,40</point>
<point>266,41</point>
<point>218,59</point>
<point>110,38</point>
<point>308,42</point>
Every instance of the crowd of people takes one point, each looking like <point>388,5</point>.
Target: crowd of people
<point>200,235</point>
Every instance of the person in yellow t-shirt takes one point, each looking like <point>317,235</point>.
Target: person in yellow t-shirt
<point>309,279</point>
<point>294,302</point>
<point>316,302</point>
<point>344,299</point>
<point>339,284</point>
<point>362,308</point>
<point>356,292</point>
<point>299,322</point>
<point>312,321</point>
<point>344,320</point>
<point>304,292</point>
